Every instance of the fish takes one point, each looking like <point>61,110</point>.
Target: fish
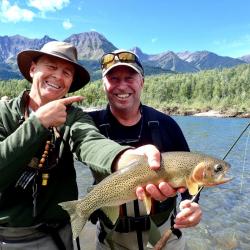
<point>180,169</point>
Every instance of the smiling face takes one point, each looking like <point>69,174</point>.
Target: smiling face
<point>52,78</point>
<point>123,87</point>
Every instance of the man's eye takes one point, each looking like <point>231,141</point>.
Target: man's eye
<point>129,79</point>
<point>50,66</point>
<point>114,78</point>
<point>68,73</point>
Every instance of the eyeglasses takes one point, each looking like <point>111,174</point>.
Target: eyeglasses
<point>110,59</point>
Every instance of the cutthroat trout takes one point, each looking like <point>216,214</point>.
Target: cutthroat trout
<point>179,169</point>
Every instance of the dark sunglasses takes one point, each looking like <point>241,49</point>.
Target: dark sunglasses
<point>109,59</point>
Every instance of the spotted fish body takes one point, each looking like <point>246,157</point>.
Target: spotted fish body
<point>179,169</point>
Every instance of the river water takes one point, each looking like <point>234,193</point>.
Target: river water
<point>226,208</point>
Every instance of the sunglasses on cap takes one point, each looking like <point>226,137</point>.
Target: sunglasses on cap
<point>110,59</point>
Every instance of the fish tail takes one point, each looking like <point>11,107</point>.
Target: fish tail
<point>77,221</point>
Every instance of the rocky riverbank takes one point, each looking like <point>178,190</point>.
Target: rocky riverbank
<point>208,113</point>
<point>197,112</point>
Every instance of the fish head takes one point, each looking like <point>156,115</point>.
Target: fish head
<point>211,172</point>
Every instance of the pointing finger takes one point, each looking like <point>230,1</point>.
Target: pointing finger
<point>71,99</point>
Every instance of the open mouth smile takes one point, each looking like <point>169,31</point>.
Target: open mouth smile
<point>123,96</point>
<point>52,85</point>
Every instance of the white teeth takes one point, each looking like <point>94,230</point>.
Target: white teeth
<point>123,96</point>
<point>52,85</point>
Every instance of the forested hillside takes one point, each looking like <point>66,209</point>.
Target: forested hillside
<point>226,90</point>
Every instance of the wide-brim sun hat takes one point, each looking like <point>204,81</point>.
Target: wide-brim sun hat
<point>137,66</point>
<point>61,50</point>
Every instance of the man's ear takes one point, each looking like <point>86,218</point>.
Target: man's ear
<point>32,69</point>
<point>103,85</point>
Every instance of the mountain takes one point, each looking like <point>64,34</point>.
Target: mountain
<point>245,58</point>
<point>8,72</point>
<point>183,55</point>
<point>169,60</point>
<point>143,57</point>
<point>149,64</point>
<point>204,60</point>
<point>92,45</point>
<point>10,46</point>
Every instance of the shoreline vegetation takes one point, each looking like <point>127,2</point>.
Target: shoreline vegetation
<point>212,93</point>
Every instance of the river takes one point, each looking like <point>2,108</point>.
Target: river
<point>226,208</point>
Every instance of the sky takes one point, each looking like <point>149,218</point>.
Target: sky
<point>219,26</point>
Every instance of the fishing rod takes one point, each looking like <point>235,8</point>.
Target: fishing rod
<point>230,149</point>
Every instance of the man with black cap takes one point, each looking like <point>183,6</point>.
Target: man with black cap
<point>39,132</point>
<point>128,122</point>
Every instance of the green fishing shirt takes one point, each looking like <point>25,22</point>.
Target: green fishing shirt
<point>21,140</point>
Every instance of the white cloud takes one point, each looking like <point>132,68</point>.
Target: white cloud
<point>13,13</point>
<point>67,24</point>
<point>48,5</point>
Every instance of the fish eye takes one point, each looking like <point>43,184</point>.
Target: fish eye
<point>218,168</point>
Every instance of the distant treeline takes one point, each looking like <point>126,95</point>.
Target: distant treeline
<point>220,89</point>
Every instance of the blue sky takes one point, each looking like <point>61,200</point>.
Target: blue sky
<point>220,26</point>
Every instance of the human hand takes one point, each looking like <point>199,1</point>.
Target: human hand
<point>158,192</point>
<point>54,113</point>
<point>189,216</point>
<point>150,151</point>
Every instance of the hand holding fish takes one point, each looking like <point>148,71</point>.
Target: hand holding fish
<point>189,216</point>
<point>158,192</point>
<point>149,150</point>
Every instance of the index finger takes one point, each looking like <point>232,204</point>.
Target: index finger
<point>71,99</point>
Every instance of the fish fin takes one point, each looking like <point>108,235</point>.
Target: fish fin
<point>77,221</point>
<point>112,213</point>
<point>192,186</point>
<point>199,171</point>
<point>147,202</point>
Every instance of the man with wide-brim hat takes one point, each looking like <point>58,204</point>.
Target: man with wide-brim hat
<point>61,50</point>
<point>40,132</point>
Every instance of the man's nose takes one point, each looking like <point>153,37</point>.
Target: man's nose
<point>58,73</point>
<point>123,82</point>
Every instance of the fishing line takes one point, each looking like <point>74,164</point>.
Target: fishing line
<point>244,162</point>
<point>230,149</point>
<point>236,141</point>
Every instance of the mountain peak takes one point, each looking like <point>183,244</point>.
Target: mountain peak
<point>142,56</point>
<point>90,45</point>
<point>245,58</point>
